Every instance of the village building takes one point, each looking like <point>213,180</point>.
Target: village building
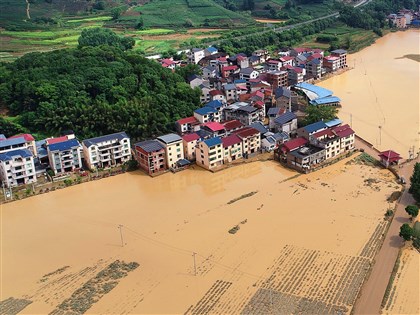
<point>327,140</point>
<point>242,61</point>
<point>251,140</point>
<point>246,114</point>
<point>309,130</point>
<point>262,54</point>
<point>232,146</point>
<point>331,63</point>
<point>168,63</point>
<point>64,156</point>
<point>272,114</point>
<point>209,153</point>
<point>305,158</point>
<point>273,65</point>
<point>346,135</point>
<point>210,72</point>
<point>190,141</point>
<point>286,122</point>
<point>342,55</point>
<point>195,55</point>
<point>232,125</point>
<point>277,78</point>
<point>210,51</point>
<point>295,75</point>
<point>217,95</point>
<point>285,98</point>
<point>173,148</point>
<point>316,95</point>
<point>248,74</point>
<point>22,141</point>
<point>287,61</point>
<point>206,114</point>
<point>151,156</point>
<point>314,69</point>
<point>186,125</point>
<point>230,92</point>
<point>107,151</point>
<point>389,158</point>
<point>214,128</point>
<point>17,168</point>
<point>228,71</point>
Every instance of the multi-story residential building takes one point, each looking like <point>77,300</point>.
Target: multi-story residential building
<point>273,65</point>
<point>314,69</point>
<point>251,140</point>
<point>262,54</point>
<point>232,146</point>
<point>295,75</point>
<point>17,168</point>
<point>206,114</point>
<point>286,122</point>
<point>23,141</point>
<point>217,95</point>
<point>190,141</point>
<point>173,148</point>
<point>346,135</point>
<point>151,156</point>
<point>232,125</point>
<point>401,21</point>
<point>195,55</point>
<point>246,114</point>
<point>287,61</point>
<point>277,78</point>
<point>64,156</point>
<point>327,140</point>
<point>187,125</point>
<point>227,71</point>
<point>272,114</point>
<point>215,129</point>
<point>248,74</point>
<point>106,151</point>
<point>209,153</point>
<point>309,130</point>
<point>342,55</point>
<point>230,91</point>
<point>305,158</point>
<point>331,63</point>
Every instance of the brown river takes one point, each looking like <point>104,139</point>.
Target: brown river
<point>380,96</point>
<point>52,244</point>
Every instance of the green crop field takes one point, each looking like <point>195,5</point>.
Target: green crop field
<point>155,31</point>
<point>177,13</point>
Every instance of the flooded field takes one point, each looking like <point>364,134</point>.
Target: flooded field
<point>404,295</point>
<point>252,237</point>
<point>380,96</point>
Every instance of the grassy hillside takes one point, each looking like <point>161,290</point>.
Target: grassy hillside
<point>177,13</point>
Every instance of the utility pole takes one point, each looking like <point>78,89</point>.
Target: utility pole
<point>380,135</point>
<point>121,234</point>
<point>195,266</point>
<point>351,120</point>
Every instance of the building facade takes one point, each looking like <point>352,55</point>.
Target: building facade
<point>17,168</point>
<point>65,156</point>
<point>209,153</point>
<point>151,156</point>
<point>173,148</point>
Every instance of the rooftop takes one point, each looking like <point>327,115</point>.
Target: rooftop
<point>118,136</point>
<point>232,124</point>
<point>205,110</point>
<point>259,126</point>
<point>214,104</point>
<point>213,141</point>
<point>315,127</point>
<point>187,120</point>
<point>56,140</point>
<point>63,146</point>
<point>294,144</point>
<point>190,137</point>
<point>214,126</point>
<point>231,140</point>
<point>326,100</point>
<point>285,118</point>
<point>169,138</point>
<point>312,91</point>
<point>305,151</point>
<point>26,136</point>
<point>7,156</point>
<point>150,145</point>
<point>12,141</point>
<point>333,123</point>
<point>246,132</point>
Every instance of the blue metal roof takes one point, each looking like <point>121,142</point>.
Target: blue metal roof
<point>7,156</point>
<point>205,110</point>
<point>239,81</point>
<point>114,136</point>
<point>319,91</point>
<point>214,104</point>
<point>281,135</point>
<point>2,136</point>
<point>213,141</point>
<point>273,111</point>
<point>63,146</point>
<point>211,49</point>
<point>315,126</point>
<point>333,123</point>
<point>150,145</point>
<point>259,126</point>
<point>326,100</point>
<point>285,118</point>
<point>12,141</point>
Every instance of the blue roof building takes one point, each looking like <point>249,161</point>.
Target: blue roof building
<point>205,110</point>
<point>312,91</point>
<point>17,167</point>
<point>65,156</point>
<point>213,142</point>
<point>330,100</point>
<point>312,128</point>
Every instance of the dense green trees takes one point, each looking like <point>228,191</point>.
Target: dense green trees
<point>406,232</point>
<point>415,183</point>
<point>94,91</point>
<point>98,36</point>
<point>412,211</point>
<point>318,113</point>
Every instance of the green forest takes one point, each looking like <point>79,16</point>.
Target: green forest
<point>93,91</point>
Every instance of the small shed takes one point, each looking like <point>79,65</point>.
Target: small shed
<point>389,157</point>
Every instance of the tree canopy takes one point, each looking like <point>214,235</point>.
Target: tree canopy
<point>415,183</point>
<point>94,91</point>
<point>98,36</point>
<point>318,113</point>
<point>406,232</point>
<point>412,210</point>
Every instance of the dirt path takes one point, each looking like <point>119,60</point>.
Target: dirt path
<point>374,289</point>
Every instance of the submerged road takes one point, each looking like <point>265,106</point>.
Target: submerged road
<point>374,288</point>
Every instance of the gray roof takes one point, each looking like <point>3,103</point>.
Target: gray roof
<point>259,126</point>
<point>169,138</point>
<point>339,51</point>
<point>285,118</point>
<point>280,136</point>
<point>229,86</point>
<point>150,145</point>
<point>114,136</point>
<point>247,108</point>
<point>273,111</point>
<point>282,91</point>
<point>12,141</point>
<point>247,70</point>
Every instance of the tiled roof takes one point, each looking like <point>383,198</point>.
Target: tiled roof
<point>343,132</point>
<point>285,118</point>
<point>273,111</point>
<point>169,138</point>
<point>294,144</point>
<point>232,124</point>
<point>150,145</point>
<point>63,146</point>
<point>115,136</point>
<point>389,154</point>
<point>230,140</point>
<point>56,140</point>
<point>212,141</point>
<point>216,104</point>
<point>215,92</point>
<point>286,58</point>
<point>325,132</point>
<point>259,126</point>
<point>190,137</point>
<point>229,68</point>
<point>282,91</point>
<point>13,141</point>
<point>188,120</point>
<point>7,156</point>
<point>214,126</point>
<point>315,127</point>
<point>26,136</point>
<point>248,109</point>
<point>246,132</point>
<point>205,111</point>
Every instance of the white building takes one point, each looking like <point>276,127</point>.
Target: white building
<point>65,156</point>
<point>195,55</point>
<point>106,151</point>
<point>17,168</point>
<point>174,148</point>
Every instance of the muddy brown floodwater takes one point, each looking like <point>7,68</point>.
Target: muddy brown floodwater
<point>383,91</point>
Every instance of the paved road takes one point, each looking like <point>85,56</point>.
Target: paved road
<point>374,288</point>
